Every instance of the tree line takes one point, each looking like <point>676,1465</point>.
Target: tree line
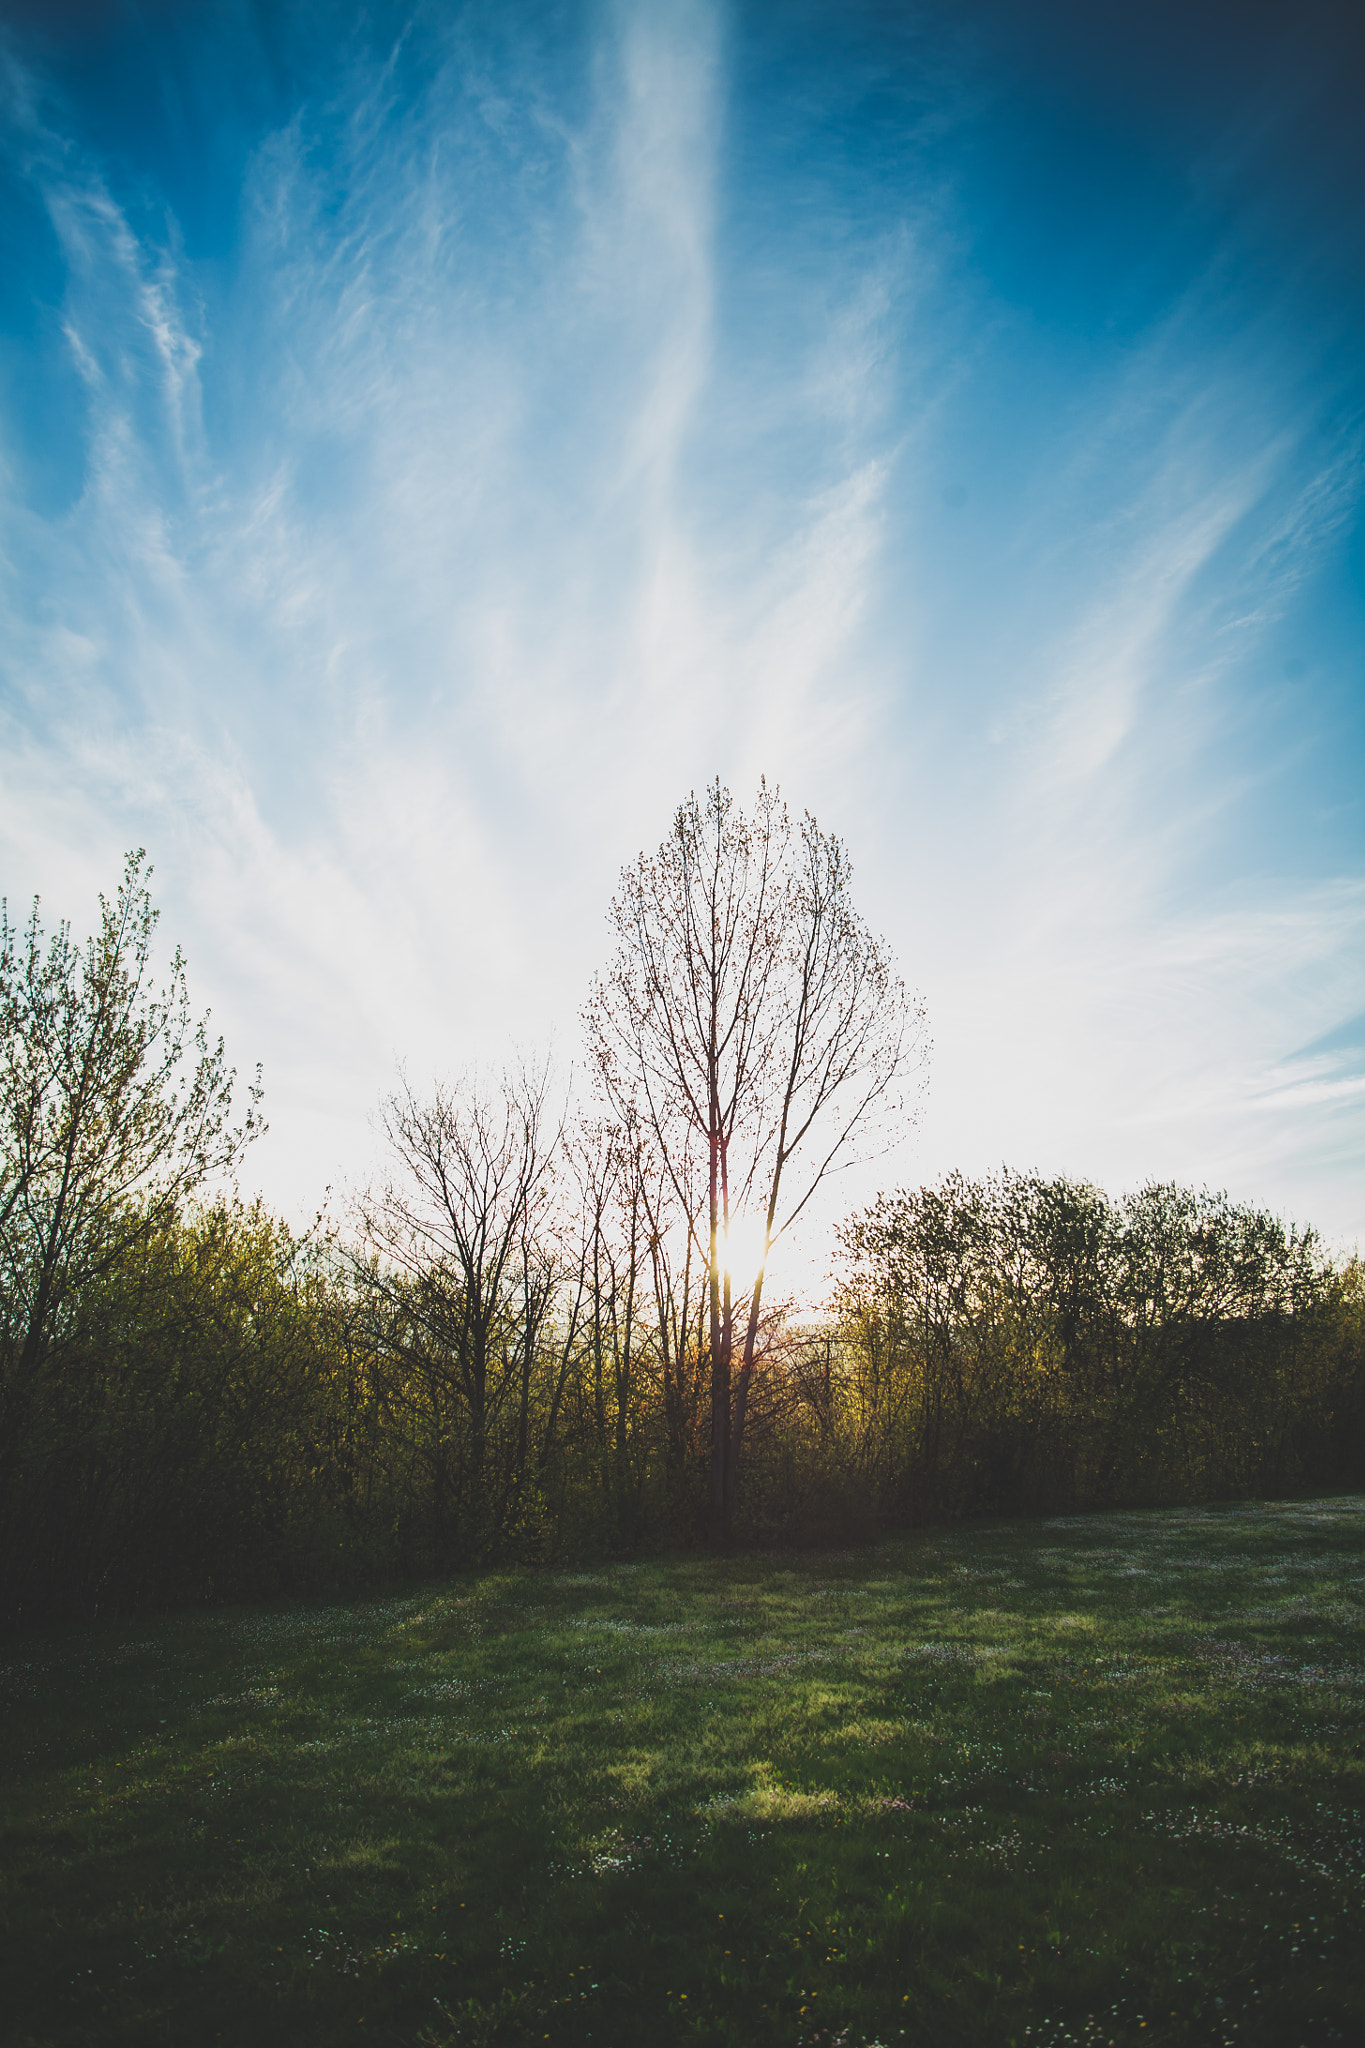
<point>546,1332</point>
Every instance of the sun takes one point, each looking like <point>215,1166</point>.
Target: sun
<point>742,1251</point>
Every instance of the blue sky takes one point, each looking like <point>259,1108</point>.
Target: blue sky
<point>433,439</point>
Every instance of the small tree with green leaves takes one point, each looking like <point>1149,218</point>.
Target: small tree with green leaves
<point>115,1108</point>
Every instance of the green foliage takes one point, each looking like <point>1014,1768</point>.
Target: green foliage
<point>1094,1781</point>
<point>184,1447</point>
<point>114,1109</point>
<point>1022,1345</point>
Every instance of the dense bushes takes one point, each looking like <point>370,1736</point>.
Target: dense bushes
<point>1020,1345</point>
<point>180,1442</point>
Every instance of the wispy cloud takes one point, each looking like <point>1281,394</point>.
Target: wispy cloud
<point>387,612</point>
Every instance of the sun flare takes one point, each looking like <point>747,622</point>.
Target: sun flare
<point>742,1250</point>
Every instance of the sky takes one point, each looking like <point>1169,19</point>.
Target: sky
<point>434,439</point>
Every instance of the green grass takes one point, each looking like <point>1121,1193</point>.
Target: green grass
<point>1082,1781</point>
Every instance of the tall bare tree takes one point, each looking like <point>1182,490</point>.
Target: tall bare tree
<point>748,1015</point>
<point>462,1259</point>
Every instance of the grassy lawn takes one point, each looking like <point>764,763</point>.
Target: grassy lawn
<point>1081,1781</point>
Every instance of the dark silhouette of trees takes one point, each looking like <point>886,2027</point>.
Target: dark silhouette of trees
<point>533,1338</point>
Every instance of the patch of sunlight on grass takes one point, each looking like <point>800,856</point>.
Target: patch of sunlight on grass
<point>866,1733</point>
